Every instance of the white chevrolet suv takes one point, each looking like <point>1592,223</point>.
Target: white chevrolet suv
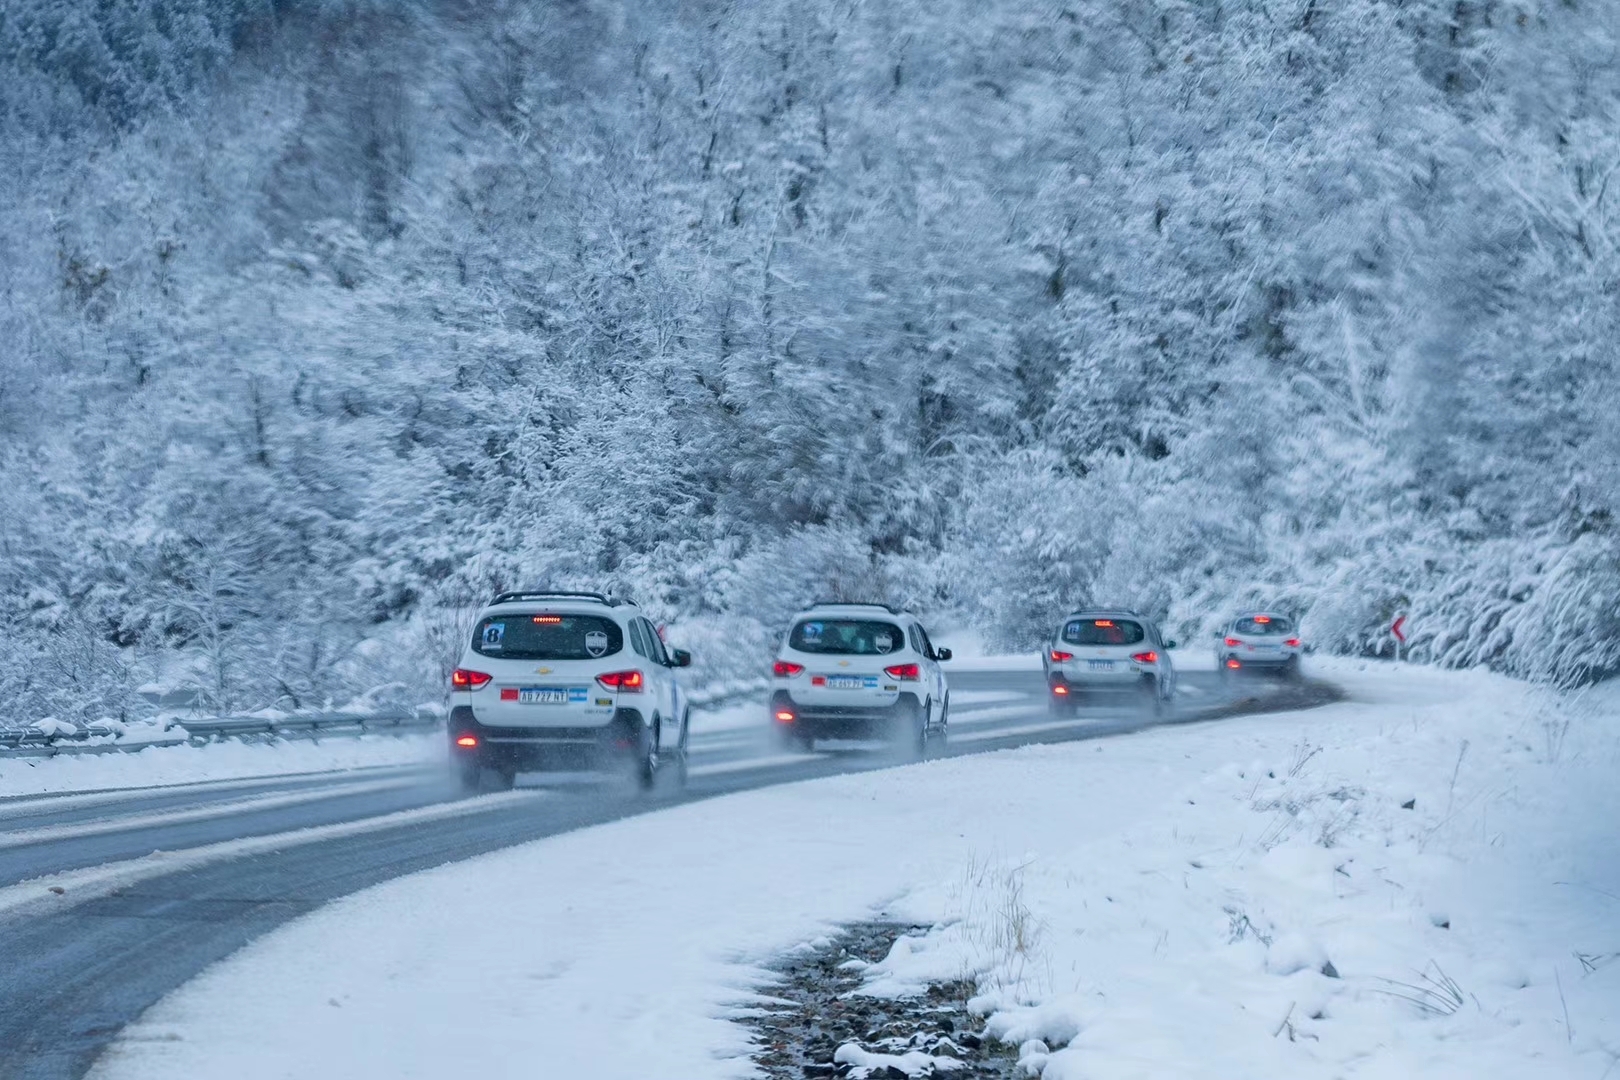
<point>1108,653</point>
<point>566,681</point>
<point>860,671</point>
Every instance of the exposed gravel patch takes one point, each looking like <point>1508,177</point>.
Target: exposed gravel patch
<point>820,1015</point>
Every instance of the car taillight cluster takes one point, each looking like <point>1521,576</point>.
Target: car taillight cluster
<point>786,669</point>
<point>904,672</point>
<point>626,682</point>
<point>1061,657</point>
<point>1232,642</point>
<point>1148,657</point>
<point>463,679</point>
<point>1292,643</point>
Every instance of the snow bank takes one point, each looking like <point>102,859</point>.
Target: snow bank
<point>228,760</point>
<point>1421,881</point>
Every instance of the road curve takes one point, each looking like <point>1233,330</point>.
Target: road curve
<point>242,857</point>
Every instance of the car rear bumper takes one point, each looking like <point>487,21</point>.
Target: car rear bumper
<point>1261,660</point>
<point>845,721</point>
<point>1133,682</point>
<point>604,747</point>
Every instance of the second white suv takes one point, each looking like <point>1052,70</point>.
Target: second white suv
<point>860,671</point>
<point>1108,652</point>
<point>566,681</point>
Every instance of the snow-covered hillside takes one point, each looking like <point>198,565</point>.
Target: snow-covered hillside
<point>1420,881</point>
<point>321,320</point>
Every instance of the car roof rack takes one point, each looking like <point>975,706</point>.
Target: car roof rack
<point>857,603</point>
<point>524,595</point>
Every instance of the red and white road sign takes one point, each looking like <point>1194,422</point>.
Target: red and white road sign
<point>1395,628</point>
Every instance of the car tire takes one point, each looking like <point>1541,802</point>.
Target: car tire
<point>1291,669</point>
<point>647,758</point>
<point>470,774</point>
<point>505,779</point>
<point>923,731</point>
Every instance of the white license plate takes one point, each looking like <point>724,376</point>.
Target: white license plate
<point>1265,648</point>
<point>1101,665</point>
<point>847,682</point>
<point>543,695</point>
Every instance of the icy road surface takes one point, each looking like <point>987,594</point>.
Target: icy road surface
<point>155,885</point>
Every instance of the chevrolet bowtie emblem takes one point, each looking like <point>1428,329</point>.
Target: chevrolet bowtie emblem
<point>542,671</point>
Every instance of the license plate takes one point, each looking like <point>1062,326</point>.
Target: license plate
<point>851,682</point>
<point>1101,665</point>
<point>543,695</point>
<point>1265,648</point>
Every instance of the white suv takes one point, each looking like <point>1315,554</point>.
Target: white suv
<point>860,671</point>
<point>1259,640</point>
<point>566,681</point>
<point>1108,652</point>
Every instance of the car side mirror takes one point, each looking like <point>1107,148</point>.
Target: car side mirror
<point>942,654</point>
<point>1170,644</point>
<point>680,658</point>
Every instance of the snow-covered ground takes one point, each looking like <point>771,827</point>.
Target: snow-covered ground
<point>1423,880</point>
<point>152,766</point>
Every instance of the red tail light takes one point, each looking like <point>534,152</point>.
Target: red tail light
<point>904,672</point>
<point>784,716</point>
<point>1233,663</point>
<point>463,679</point>
<point>1145,657</point>
<point>1232,642</point>
<point>1061,657</point>
<point>784,669</point>
<point>1060,691</point>
<point>469,741</point>
<point>1262,619</point>
<point>1292,643</point>
<point>626,682</point>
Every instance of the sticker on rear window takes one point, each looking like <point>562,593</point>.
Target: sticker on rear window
<point>596,643</point>
<point>883,643</point>
<point>493,633</point>
<point>811,631</point>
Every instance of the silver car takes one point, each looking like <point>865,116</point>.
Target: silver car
<point>1259,641</point>
<point>1108,654</point>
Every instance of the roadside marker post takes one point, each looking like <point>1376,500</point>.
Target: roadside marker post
<point>1400,635</point>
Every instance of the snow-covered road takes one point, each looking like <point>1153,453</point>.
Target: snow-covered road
<point>1420,881</point>
<point>156,884</point>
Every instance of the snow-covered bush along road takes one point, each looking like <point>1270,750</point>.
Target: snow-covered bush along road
<point>1420,881</point>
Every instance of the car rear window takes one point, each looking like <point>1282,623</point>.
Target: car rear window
<point>544,636</point>
<point>1263,625</point>
<point>1103,632</point>
<point>847,637</point>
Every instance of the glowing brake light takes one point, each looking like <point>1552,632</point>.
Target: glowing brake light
<point>1061,657</point>
<point>1060,691</point>
<point>1232,642</point>
<point>1148,657</point>
<point>1233,663</point>
<point>903,672</point>
<point>463,679</point>
<point>468,741</point>
<point>1103,622</point>
<point>784,716</point>
<point>786,669</point>
<point>626,682</point>
<point>1262,619</point>
<point>1292,643</point>
<point>548,620</point>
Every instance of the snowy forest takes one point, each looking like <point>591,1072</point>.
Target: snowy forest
<point>321,320</point>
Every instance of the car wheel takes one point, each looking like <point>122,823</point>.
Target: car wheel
<point>647,759</point>
<point>1291,669</point>
<point>471,776</point>
<point>505,779</point>
<point>942,727</point>
<point>922,731</point>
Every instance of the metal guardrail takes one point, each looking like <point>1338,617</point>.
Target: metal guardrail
<point>29,742</point>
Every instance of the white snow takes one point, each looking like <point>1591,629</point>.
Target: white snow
<point>1244,898</point>
<point>153,766</point>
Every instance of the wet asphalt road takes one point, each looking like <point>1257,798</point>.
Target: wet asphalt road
<point>75,968</point>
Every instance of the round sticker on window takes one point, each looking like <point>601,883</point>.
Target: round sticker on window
<point>883,642</point>
<point>596,642</point>
<point>493,633</point>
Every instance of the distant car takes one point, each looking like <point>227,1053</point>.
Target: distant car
<point>566,681</point>
<point>1259,640</point>
<point>1108,654</point>
<point>860,671</point>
